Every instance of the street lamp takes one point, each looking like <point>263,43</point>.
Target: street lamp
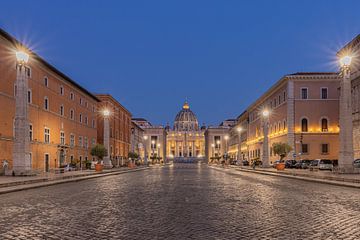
<point>21,148</point>
<point>239,130</point>
<point>158,152</point>
<point>265,155</point>
<point>145,149</point>
<point>226,137</point>
<point>106,114</point>
<point>346,153</point>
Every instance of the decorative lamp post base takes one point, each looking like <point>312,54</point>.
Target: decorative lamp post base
<point>107,163</point>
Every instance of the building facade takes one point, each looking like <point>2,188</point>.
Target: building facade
<point>303,112</point>
<point>137,139</point>
<point>119,127</point>
<point>186,139</point>
<point>61,114</point>
<point>217,143</point>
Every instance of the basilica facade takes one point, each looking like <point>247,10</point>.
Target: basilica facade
<point>185,140</point>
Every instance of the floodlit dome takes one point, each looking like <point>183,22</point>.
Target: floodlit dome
<point>186,120</point>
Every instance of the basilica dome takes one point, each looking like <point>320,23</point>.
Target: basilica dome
<point>186,120</point>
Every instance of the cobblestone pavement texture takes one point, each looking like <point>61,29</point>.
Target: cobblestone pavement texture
<point>182,202</point>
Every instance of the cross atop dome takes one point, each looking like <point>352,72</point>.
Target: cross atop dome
<point>186,105</point>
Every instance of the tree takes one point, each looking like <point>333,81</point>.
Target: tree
<point>133,155</point>
<point>99,151</point>
<point>281,149</point>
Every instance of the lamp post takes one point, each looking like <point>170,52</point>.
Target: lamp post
<point>346,153</point>
<point>21,148</point>
<point>158,151</point>
<point>213,151</point>
<point>145,150</point>
<point>153,150</point>
<point>265,155</point>
<point>226,137</point>
<point>107,161</point>
<point>218,150</point>
<point>239,157</point>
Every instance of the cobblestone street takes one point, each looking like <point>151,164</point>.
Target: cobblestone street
<point>182,202</point>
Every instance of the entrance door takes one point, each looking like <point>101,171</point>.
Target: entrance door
<point>47,163</point>
<point>62,157</point>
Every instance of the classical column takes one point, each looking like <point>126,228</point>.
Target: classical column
<point>107,161</point>
<point>21,147</point>
<point>346,153</point>
<point>265,152</point>
<point>239,156</point>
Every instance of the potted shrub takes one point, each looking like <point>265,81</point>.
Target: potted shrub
<point>282,150</point>
<point>99,151</point>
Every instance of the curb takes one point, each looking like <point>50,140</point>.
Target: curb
<point>308,179</point>
<point>49,182</point>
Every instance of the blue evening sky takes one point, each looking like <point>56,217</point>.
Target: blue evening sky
<point>152,55</point>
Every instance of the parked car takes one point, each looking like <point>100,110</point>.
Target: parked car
<point>303,164</point>
<point>335,162</point>
<point>245,163</point>
<point>290,163</point>
<point>314,164</point>
<point>357,163</point>
<point>326,164</point>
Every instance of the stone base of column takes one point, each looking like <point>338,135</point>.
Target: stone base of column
<point>348,168</point>
<point>20,172</point>
<point>107,163</point>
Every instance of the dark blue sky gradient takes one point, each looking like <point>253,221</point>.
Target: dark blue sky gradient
<point>151,55</point>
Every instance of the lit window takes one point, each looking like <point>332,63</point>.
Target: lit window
<point>47,135</point>
<point>62,138</point>
<point>304,125</point>
<point>324,125</point>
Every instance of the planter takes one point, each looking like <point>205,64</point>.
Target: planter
<point>98,167</point>
<point>280,166</point>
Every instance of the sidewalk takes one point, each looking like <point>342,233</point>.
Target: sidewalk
<point>348,180</point>
<point>12,184</point>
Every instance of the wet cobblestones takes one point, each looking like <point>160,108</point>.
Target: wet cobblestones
<point>182,202</point>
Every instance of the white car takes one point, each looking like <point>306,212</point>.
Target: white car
<point>357,163</point>
<point>326,164</point>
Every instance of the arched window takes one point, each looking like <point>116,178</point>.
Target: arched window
<point>304,125</point>
<point>324,125</point>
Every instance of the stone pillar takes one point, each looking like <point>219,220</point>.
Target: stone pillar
<point>107,161</point>
<point>21,147</point>
<point>239,156</point>
<point>265,152</point>
<point>346,153</point>
<point>291,117</point>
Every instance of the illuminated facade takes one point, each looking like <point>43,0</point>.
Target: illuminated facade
<point>61,115</point>
<point>186,139</point>
<point>304,112</point>
<point>119,128</point>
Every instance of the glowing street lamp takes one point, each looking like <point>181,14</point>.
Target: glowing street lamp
<point>346,153</point>
<point>145,149</point>
<point>21,148</point>
<point>106,114</point>
<point>265,155</point>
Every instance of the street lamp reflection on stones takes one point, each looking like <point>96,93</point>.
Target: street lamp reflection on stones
<point>107,161</point>
<point>346,153</point>
<point>21,149</point>
<point>265,123</point>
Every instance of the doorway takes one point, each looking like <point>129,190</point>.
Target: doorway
<point>47,162</point>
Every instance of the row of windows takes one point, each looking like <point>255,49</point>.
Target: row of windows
<point>83,141</point>
<point>324,125</point>
<point>277,127</point>
<point>305,93</point>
